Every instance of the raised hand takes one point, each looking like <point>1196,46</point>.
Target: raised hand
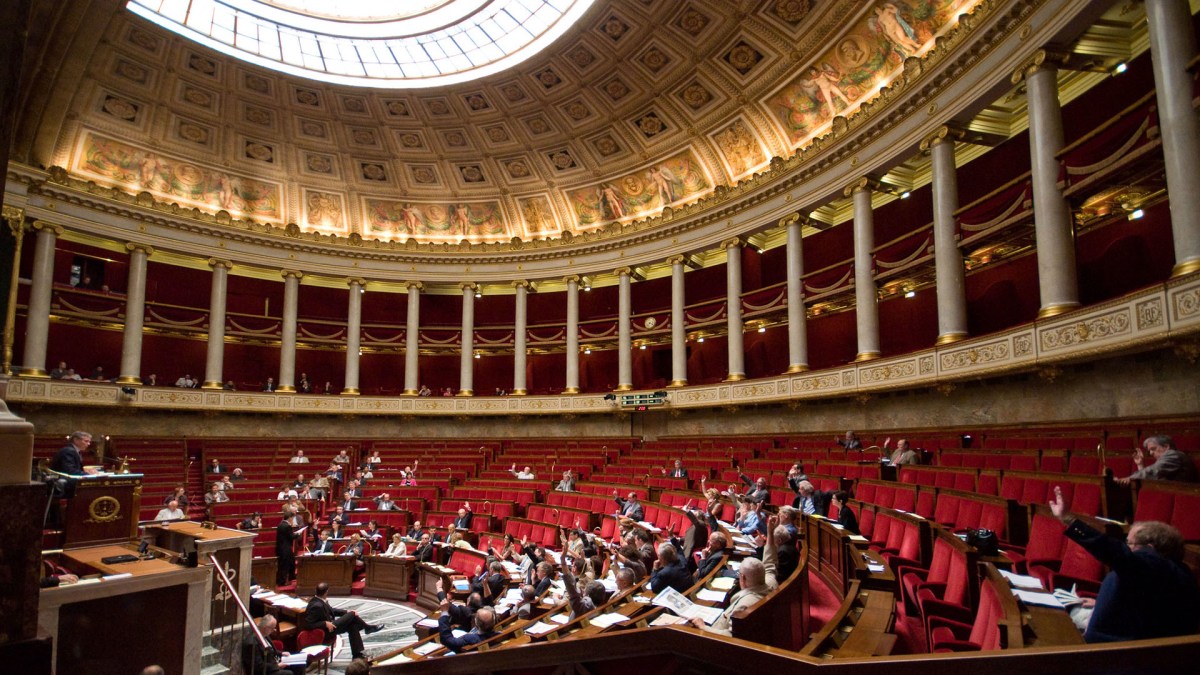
<point>1057,507</point>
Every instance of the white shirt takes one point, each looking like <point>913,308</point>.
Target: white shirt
<point>298,460</point>
<point>396,550</point>
<point>167,514</point>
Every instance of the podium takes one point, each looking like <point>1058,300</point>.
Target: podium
<point>335,570</point>
<point>104,509</point>
<point>233,550</point>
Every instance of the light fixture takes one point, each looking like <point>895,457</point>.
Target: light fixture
<point>1136,214</point>
<point>699,339</point>
<point>1120,68</point>
<point>642,347</point>
<point>762,329</point>
<point>587,289</point>
<point>478,294</point>
<point>910,294</point>
<point>905,195</point>
<point>476,354</point>
<point>587,350</point>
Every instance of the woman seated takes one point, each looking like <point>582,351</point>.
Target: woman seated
<point>397,547</point>
<point>509,550</point>
<point>372,533</point>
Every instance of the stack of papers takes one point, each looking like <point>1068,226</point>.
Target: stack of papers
<point>539,628</point>
<point>1038,598</point>
<point>427,648</point>
<point>722,583</point>
<point>428,623</point>
<point>710,595</point>
<point>1023,581</point>
<point>680,605</point>
<point>297,659</point>
<point>399,658</point>
<point>606,620</point>
<point>668,620</point>
<point>560,618</point>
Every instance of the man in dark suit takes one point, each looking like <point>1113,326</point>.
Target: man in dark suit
<point>485,624</point>
<point>465,515</point>
<point>669,570</point>
<point>629,507</point>
<point>320,614</point>
<point>424,550</point>
<point>677,471</point>
<point>715,555</point>
<point>347,502</point>
<point>324,544</point>
<point>69,459</point>
<point>260,660</point>
<point>285,535</point>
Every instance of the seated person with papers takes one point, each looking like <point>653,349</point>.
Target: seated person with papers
<point>260,660</point>
<point>756,578</point>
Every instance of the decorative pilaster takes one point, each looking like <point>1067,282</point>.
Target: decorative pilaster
<point>624,331</point>
<point>948,261</point>
<point>135,315</point>
<point>287,348</point>
<point>572,334</point>
<point>466,365</point>
<point>678,323</point>
<point>1053,230</point>
<point>37,324</point>
<point>519,337</point>
<point>797,317</point>
<point>353,335</point>
<point>412,339</point>
<point>214,363</point>
<point>733,309</point>
<point>866,297</point>
<point>15,219</point>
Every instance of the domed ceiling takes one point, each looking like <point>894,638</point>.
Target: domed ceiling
<point>641,105</point>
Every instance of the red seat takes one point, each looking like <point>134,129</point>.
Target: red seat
<point>983,634</point>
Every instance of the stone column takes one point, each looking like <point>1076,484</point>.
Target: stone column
<point>678,323</point>
<point>214,364</point>
<point>948,260</point>
<point>733,309</point>
<point>37,323</point>
<point>624,331</point>
<point>1172,46</point>
<point>1053,230</point>
<point>466,365</point>
<point>519,338</point>
<point>797,316</point>
<point>866,297</point>
<point>287,348</point>
<point>412,339</point>
<point>353,336</point>
<point>572,334</point>
<point>135,315</point>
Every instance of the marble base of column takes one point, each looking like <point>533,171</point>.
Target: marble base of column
<point>571,390</point>
<point>351,391</point>
<point>1056,309</point>
<point>35,372</point>
<point>1185,268</point>
<point>466,392</point>
<point>675,384</point>
<point>409,392</point>
<point>212,385</point>
<point>735,377</point>
<point>950,338</point>
<point>129,379</point>
<point>285,389</point>
<point>797,368</point>
<point>518,392</point>
<point>866,356</point>
<point>624,387</point>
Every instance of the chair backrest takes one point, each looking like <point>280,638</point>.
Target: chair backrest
<point>307,638</point>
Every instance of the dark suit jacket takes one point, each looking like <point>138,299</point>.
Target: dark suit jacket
<point>348,504</point>
<point>285,534</point>
<point>674,576</point>
<point>68,461</point>
<point>318,612</point>
<point>326,546</point>
<point>848,520</point>
<point>1171,465</point>
<point>677,473</point>
<point>631,509</point>
<point>710,563</point>
<point>456,644</point>
<point>464,522</point>
<point>424,553</point>
<point>259,661</point>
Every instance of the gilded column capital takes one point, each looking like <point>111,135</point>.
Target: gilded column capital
<point>522,283</point>
<point>675,260</point>
<point>39,225</point>
<point>1042,59</point>
<point>468,285</point>
<point>943,134</point>
<point>732,242</point>
<point>291,273</point>
<point>219,262</point>
<point>626,271</point>
<point>861,185</point>
<point>356,280</point>
<point>409,285</point>
<point>571,277</point>
<point>793,219</point>
<point>13,213</point>
<point>144,248</point>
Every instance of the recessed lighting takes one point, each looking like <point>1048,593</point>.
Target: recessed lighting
<point>910,294</point>
<point>1137,213</point>
<point>476,355</point>
<point>762,329</point>
<point>1120,68</point>
<point>905,195</point>
<point>588,350</point>
<point>642,347</point>
<point>699,339</point>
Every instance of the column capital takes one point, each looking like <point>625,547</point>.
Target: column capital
<point>468,286</point>
<point>39,225</point>
<point>675,260</point>
<point>13,213</point>
<point>732,242</point>
<point>861,185</point>
<point>571,278</point>
<point>522,283</point>
<point>218,262</point>
<point>291,273</point>
<point>144,248</point>
<point>626,271</point>
<point>794,218</point>
<point>943,134</point>
<point>1042,59</point>
<point>356,280</point>
<point>409,285</point>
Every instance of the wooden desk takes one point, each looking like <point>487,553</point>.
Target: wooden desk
<point>427,577</point>
<point>335,570</point>
<point>1048,626</point>
<point>389,577</point>
<point>88,561</point>
<point>233,550</point>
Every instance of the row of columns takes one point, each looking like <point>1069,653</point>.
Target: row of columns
<point>1172,44</point>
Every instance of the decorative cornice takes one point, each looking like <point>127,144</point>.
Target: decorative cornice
<point>675,260</point>
<point>521,283</point>
<point>732,242</point>
<point>572,278</point>
<point>862,184</point>
<point>943,134</point>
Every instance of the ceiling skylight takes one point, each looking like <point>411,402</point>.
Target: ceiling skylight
<point>386,43</point>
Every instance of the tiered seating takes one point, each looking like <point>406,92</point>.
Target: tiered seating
<point>1173,503</point>
<point>996,624</point>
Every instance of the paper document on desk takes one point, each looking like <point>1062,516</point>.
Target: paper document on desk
<point>858,539</point>
<point>677,603</point>
<point>875,568</point>
<point>722,583</point>
<point>606,620</point>
<point>560,618</point>
<point>1037,598</point>
<point>314,649</point>
<point>539,628</point>
<point>428,623</point>
<point>668,620</point>
<point>427,648</point>
<point>710,595</point>
<point>399,658</point>
<point>1068,598</point>
<point>297,659</point>
<point>1023,581</point>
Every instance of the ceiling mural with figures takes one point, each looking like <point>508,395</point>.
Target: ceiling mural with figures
<point>643,105</point>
